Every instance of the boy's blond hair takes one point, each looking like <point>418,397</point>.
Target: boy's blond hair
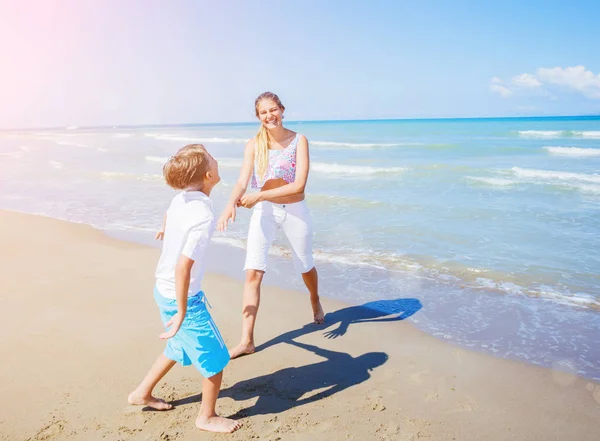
<point>187,168</point>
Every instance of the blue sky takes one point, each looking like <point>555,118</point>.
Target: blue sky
<point>149,62</point>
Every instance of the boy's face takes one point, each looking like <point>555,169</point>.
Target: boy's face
<point>212,174</point>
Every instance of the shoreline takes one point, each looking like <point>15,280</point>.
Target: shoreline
<point>83,330</point>
<point>441,309</point>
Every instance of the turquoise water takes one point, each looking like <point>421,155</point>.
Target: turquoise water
<point>491,223</point>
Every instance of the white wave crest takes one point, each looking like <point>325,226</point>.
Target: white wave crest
<point>71,144</point>
<point>230,162</point>
<point>494,182</point>
<point>587,188</point>
<point>124,175</point>
<point>342,169</point>
<point>199,139</point>
<point>541,133</point>
<point>161,159</point>
<point>12,154</point>
<point>575,152</point>
<point>588,133</point>
<point>223,162</point>
<point>56,164</point>
<point>357,145</point>
<point>559,133</point>
<point>237,243</point>
<point>548,175</point>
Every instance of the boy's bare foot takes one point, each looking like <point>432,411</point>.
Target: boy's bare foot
<point>217,424</point>
<point>318,314</point>
<point>242,349</point>
<point>150,401</point>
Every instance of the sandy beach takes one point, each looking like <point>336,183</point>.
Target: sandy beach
<point>81,329</point>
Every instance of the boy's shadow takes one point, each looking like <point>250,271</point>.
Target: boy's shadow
<point>295,386</point>
<point>377,311</point>
<point>286,388</point>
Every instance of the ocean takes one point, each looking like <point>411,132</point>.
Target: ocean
<point>490,225</point>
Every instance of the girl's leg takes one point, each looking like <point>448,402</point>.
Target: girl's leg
<point>251,301</point>
<point>297,227</point>
<point>311,280</point>
<point>261,233</point>
<point>207,417</point>
<point>142,395</point>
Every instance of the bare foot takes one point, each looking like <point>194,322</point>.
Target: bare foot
<point>318,314</point>
<point>150,401</point>
<point>217,424</point>
<point>242,349</point>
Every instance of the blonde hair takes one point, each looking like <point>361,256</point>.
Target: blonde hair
<point>262,138</point>
<point>188,167</point>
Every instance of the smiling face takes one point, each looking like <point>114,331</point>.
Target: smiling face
<point>269,113</point>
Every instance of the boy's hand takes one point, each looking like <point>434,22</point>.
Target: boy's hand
<point>228,213</point>
<point>175,324</point>
<point>160,235</point>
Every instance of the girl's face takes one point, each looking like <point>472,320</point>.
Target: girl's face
<point>269,114</point>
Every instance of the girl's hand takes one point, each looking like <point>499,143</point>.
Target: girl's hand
<point>160,235</point>
<point>228,213</point>
<point>249,200</point>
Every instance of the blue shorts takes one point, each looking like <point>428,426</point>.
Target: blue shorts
<point>198,341</point>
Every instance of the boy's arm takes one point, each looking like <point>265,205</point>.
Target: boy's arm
<point>239,188</point>
<point>161,233</point>
<point>193,250</point>
<point>183,270</point>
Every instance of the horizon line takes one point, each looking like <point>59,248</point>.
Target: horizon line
<point>372,120</point>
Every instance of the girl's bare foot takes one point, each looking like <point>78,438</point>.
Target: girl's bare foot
<point>150,401</point>
<point>318,314</point>
<point>217,424</point>
<point>242,349</point>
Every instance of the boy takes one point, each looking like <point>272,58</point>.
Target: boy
<point>192,336</point>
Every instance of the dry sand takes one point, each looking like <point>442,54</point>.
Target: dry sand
<point>80,329</point>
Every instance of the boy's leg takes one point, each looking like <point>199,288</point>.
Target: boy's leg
<point>207,417</point>
<point>142,395</point>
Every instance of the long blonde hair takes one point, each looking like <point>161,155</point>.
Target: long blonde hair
<point>262,138</point>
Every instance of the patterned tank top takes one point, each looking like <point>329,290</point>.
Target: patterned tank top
<point>282,165</point>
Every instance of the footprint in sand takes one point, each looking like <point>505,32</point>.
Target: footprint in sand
<point>50,431</point>
<point>418,377</point>
<point>596,394</point>
<point>468,404</point>
<point>409,430</point>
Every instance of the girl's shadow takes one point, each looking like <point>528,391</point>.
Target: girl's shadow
<point>376,311</point>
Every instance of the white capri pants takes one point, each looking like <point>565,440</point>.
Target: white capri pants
<point>295,221</point>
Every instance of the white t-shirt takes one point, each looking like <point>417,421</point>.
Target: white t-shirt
<point>190,225</point>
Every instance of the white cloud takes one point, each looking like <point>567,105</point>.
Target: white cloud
<point>526,80</point>
<point>502,90</point>
<point>550,82</point>
<point>576,78</point>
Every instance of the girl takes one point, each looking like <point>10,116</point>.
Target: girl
<point>277,162</point>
